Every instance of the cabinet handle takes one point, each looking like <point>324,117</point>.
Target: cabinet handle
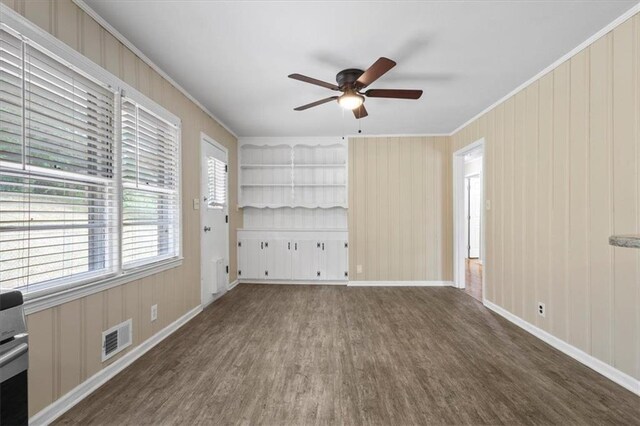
<point>289,246</point>
<point>322,246</point>
<point>296,246</point>
<point>266,244</point>
<point>261,245</point>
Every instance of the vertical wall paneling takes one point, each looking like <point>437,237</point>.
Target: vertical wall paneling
<point>625,202</point>
<point>70,352</point>
<point>518,205</point>
<point>578,196</point>
<point>543,196</point>
<point>600,255</point>
<point>41,359</point>
<point>399,192</point>
<point>565,156</point>
<point>508,202</point>
<point>559,303</point>
<point>529,199</point>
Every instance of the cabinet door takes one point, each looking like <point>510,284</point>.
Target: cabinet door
<point>278,259</point>
<point>304,258</point>
<point>333,260</point>
<point>251,256</point>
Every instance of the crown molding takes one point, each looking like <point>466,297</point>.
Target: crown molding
<point>89,11</point>
<point>588,42</point>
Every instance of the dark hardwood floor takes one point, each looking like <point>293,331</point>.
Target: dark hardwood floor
<point>295,355</point>
<point>473,278</point>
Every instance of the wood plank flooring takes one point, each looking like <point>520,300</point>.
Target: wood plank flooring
<point>296,355</point>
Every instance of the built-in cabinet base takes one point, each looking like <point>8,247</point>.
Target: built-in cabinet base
<point>293,255</point>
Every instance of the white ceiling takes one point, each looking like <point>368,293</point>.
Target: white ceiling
<point>234,57</point>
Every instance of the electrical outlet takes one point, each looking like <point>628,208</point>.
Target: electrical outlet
<point>154,312</point>
<point>541,309</point>
<point>359,269</point>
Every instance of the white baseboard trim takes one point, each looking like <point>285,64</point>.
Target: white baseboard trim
<point>296,282</point>
<point>231,285</point>
<point>611,373</point>
<point>400,284</point>
<point>77,394</point>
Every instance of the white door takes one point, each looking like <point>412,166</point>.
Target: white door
<point>214,226</point>
<point>304,260</point>
<point>474,201</point>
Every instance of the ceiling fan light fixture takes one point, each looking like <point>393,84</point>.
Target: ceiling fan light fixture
<point>351,100</point>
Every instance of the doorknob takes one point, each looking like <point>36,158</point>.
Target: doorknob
<point>207,228</point>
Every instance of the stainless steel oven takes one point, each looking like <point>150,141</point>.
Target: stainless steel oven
<point>14,360</point>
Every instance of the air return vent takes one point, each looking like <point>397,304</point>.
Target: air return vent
<point>116,339</point>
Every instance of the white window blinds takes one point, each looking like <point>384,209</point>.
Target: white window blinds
<point>217,183</point>
<point>58,215</point>
<point>150,186</point>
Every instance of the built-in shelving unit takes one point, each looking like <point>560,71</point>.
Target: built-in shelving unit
<point>293,193</point>
<point>308,174</point>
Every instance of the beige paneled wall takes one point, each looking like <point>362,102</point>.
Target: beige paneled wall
<point>65,340</point>
<point>400,226</point>
<point>563,173</point>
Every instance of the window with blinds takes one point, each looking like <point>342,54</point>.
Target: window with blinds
<point>150,175</point>
<point>58,215</point>
<point>217,183</point>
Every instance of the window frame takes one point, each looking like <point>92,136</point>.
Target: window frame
<point>58,291</point>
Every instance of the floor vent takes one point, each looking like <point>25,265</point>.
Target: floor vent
<point>116,339</point>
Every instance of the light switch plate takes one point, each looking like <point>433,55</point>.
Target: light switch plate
<point>196,204</point>
<point>487,204</point>
<point>359,269</point>
<point>154,312</point>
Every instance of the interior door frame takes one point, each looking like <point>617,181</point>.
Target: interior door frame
<point>459,227</point>
<point>468,219</point>
<point>206,139</point>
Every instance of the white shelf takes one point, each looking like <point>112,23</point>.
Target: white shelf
<point>277,175</point>
<point>265,166</point>
<point>274,185</point>
<point>294,205</point>
<point>320,165</point>
<point>319,184</point>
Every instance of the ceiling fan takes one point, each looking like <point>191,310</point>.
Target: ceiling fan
<point>351,82</point>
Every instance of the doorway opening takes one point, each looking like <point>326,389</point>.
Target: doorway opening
<point>214,220</point>
<point>468,185</point>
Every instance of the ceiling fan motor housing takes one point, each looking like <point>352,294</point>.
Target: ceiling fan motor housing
<point>347,78</point>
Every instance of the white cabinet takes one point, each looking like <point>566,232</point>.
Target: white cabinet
<point>333,260</point>
<point>251,265</point>
<point>292,256</point>
<point>304,260</point>
<point>277,260</point>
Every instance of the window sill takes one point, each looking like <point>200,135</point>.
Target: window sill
<point>45,300</point>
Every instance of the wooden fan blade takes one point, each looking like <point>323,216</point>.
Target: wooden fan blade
<point>375,71</point>
<point>317,82</point>
<point>394,93</point>
<point>316,103</point>
<point>360,112</point>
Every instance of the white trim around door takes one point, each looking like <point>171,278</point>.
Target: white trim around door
<point>459,219</point>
